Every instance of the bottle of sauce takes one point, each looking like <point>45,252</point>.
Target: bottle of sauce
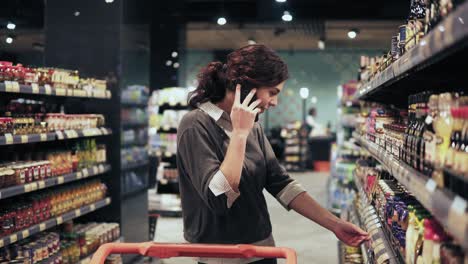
<point>443,127</point>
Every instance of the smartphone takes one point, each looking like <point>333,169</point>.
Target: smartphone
<point>245,90</point>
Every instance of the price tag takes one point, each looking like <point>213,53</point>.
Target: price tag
<point>13,238</point>
<point>104,131</point>
<point>43,137</point>
<point>48,89</point>
<point>71,134</point>
<point>27,188</point>
<point>383,258</point>
<point>60,92</point>
<point>108,94</point>
<point>108,200</point>
<point>8,139</point>
<point>59,220</point>
<point>431,185</point>
<point>78,212</point>
<point>60,180</point>
<point>60,135</point>
<point>15,86</point>
<point>69,92</point>
<point>24,139</point>
<point>101,168</point>
<point>92,207</point>
<point>166,127</point>
<point>379,248</point>
<point>8,86</point>
<point>458,205</point>
<point>42,227</point>
<point>373,232</point>
<point>41,184</point>
<point>1,243</point>
<point>85,173</point>
<point>35,88</point>
<point>95,170</point>
<point>34,186</point>
<point>79,175</point>
<point>25,234</point>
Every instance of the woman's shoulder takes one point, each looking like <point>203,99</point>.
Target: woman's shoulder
<point>194,118</point>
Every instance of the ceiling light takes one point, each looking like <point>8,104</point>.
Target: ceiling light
<point>109,1</point>
<point>11,25</point>
<point>321,44</point>
<point>174,54</point>
<point>9,40</point>
<point>176,65</point>
<point>313,99</point>
<point>168,63</point>
<point>77,13</point>
<point>222,21</point>
<point>304,92</point>
<point>280,1</point>
<point>287,16</point>
<point>352,33</point>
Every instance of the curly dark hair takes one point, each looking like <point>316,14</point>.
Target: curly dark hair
<point>252,66</point>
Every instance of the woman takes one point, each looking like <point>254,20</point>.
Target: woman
<point>225,160</point>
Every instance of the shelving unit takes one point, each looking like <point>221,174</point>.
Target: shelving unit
<point>54,181</point>
<point>9,139</point>
<point>14,87</point>
<point>22,234</point>
<point>424,67</point>
<point>295,151</point>
<point>449,209</point>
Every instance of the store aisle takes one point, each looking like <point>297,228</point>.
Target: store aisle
<point>312,243</point>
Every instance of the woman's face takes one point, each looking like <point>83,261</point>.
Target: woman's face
<point>269,96</point>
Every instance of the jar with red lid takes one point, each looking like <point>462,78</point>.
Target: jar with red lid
<point>29,173</point>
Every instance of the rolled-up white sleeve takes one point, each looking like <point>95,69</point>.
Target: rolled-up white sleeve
<point>219,185</point>
<point>288,193</point>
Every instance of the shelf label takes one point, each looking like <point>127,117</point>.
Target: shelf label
<point>60,135</point>
<point>431,185</point>
<point>69,92</point>
<point>384,257</point>
<point>85,173</point>
<point>15,87</point>
<point>27,188</point>
<point>71,134</point>
<point>108,200</point>
<point>59,220</point>
<point>42,227</point>
<point>35,88</point>
<point>379,247</point>
<point>48,89</point>
<point>79,175</point>
<point>60,180</point>
<point>458,205</point>
<point>13,238</point>
<point>8,139</point>
<point>78,212</point>
<point>25,234</point>
<point>34,186</point>
<point>92,207</point>
<point>24,139</point>
<point>95,170</point>
<point>373,232</point>
<point>41,184</point>
<point>8,86</point>
<point>101,168</point>
<point>43,137</point>
<point>1,243</point>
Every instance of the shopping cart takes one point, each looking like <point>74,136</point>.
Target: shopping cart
<point>160,250</point>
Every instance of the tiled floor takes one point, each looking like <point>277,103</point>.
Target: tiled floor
<point>313,244</point>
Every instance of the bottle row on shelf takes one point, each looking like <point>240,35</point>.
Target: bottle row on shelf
<point>414,234</point>
<point>171,96</point>
<point>39,207</point>
<point>57,78</point>
<point>70,243</point>
<point>423,17</point>
<point>38,166</point>
<point>133,156</point>
<point>135,95</point>
<point>431,137</point>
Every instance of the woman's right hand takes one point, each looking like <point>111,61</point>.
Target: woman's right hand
<point>242,114</point>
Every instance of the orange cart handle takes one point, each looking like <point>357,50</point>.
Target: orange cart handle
<point>161,250</point>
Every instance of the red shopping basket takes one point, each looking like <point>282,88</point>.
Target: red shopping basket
<point>161,250</point>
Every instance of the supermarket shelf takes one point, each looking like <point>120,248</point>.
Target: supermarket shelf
<point>379,243</point>
<point>167,106</point>
<point>14,87</point>
<point>449,209</point>
<point>20,235</point>
<point>133,144</point>
<point>135,165</point>
<point>134,104</point>
<point>134,124</point>
<point>167,130</point>
<point>54,181</point>
<point>9,139</point>
<point>87,260</point>
<point>448,38</point>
